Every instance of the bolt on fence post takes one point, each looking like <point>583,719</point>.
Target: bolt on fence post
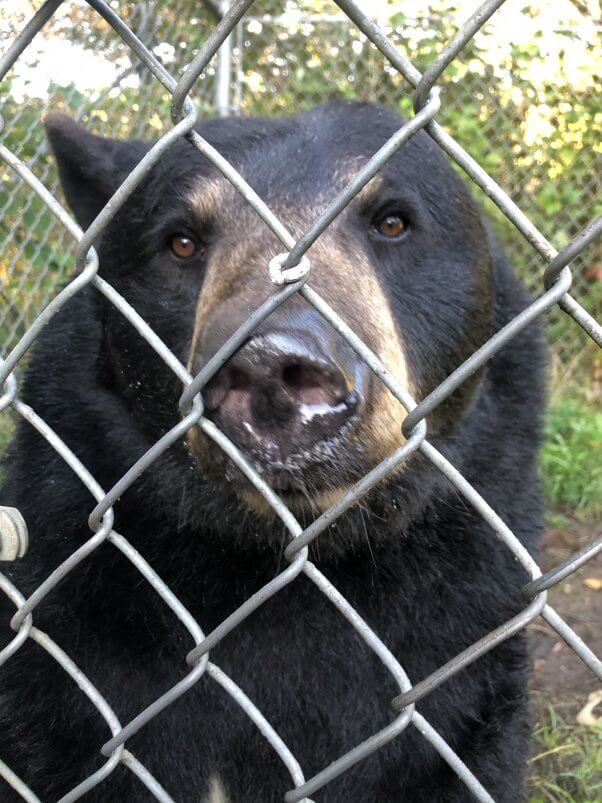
<point>14,538</point>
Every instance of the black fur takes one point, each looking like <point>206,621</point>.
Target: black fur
<point>415,560</point>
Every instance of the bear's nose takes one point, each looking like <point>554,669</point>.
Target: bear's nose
<point>286,391</point>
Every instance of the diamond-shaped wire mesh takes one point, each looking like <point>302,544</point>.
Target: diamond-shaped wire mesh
<point>554,294</point>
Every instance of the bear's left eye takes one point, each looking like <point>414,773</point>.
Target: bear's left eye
<point>391,225</point>
<point>182,246</point>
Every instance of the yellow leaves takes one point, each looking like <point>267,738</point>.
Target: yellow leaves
<point>155,122</point>
<point>3,273</point>
<point>254,82</point>
<point>537,125</point>
<point>593,583</point>
<point>587,716</point>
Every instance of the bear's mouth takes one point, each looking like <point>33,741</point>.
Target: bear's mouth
<point>303,501</point>
<point>272,459</point>
<point>300,470</point>
<point>306,480</point>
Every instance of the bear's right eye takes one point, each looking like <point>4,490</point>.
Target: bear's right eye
<point>182,247</point>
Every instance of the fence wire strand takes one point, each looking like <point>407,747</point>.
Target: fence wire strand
<point>555,286</point>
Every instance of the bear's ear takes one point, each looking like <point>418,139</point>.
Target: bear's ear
<point>90,168</point>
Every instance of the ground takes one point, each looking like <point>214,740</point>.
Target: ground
<point>566,764</point>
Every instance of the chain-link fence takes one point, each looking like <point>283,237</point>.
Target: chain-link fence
<point>290,274</point>
<point>535,137</point>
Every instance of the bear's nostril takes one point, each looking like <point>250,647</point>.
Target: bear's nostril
<point>298,376</point>
<point>226,388</point>
<point>307,384</point>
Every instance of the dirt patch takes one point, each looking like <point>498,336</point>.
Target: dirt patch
<point>559,676</point>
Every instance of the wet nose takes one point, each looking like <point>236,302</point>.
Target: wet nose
<point>287,390</point>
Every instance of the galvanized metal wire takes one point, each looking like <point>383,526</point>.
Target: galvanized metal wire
<point>555,292</point>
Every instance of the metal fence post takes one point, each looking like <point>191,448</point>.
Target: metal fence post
<point>223,71</point>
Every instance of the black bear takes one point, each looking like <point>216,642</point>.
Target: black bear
<point>411,267</point>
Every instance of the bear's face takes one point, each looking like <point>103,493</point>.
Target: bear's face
<point>406,265</point>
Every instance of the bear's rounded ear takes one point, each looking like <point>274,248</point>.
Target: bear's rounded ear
<point>91,168</point>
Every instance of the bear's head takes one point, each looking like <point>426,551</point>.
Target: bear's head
<point>406,265</point>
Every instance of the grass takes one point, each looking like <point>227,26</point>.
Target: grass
<point>567,763</point>
<point>570,458</point>
<point>7,425</point>
<point>566,766</point>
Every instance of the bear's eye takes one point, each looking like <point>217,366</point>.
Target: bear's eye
<point>391,225</point>
<point>182,246</point>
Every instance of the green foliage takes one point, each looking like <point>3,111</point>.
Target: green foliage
<point>570,458</point>
<point>32,262</point>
